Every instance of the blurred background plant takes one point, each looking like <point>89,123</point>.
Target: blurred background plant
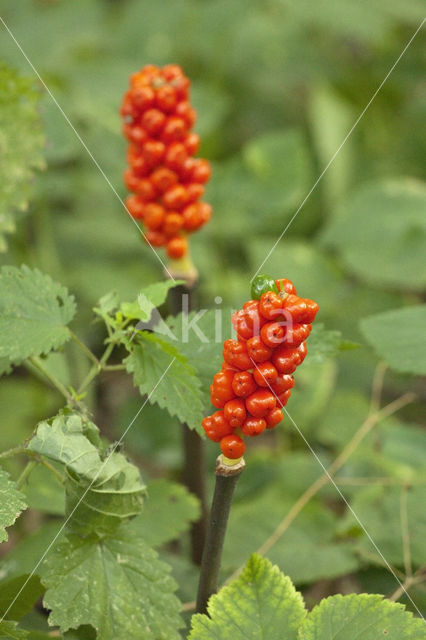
<point>277,86</point>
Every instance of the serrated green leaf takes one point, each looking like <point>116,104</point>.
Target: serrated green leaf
<point>380,232</point>
<point>9,630</point>
<point>261,603</point>
<point>396,336</point>
<point>116,584</point>
<point>199,337</point>
<point>323,344</point>
<point>34,312</point>
<point>163,374</point>
<point>168,511</point>
<point>149,298</point>
<point>12,502</point>
<point>18,595</point>
<point>102,489</point>
<point>363,616</point>
<point>21,142</point>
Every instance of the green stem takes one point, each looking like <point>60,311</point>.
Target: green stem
<point>36,362</point>
<point>226,480</point>
<point>84,348</point>
<point>25,473</point>
<point>97,368</point>
<point>12,452</point>
<point>194,468</point>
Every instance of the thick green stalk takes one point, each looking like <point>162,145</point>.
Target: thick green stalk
<point>194,467</point>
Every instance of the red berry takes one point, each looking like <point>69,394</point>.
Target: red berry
<point>154,215</point>
<point>153,152</point>
<point>260,402</point>
<point>153,121</point>
<point>195,215</point>
<point>302,351</point>
<point>243,384</point>
<point>143,97</point>
<point>163,179</point>
<point>135,206</point>
<point>155,238</point>
<point>174,130</point>
<point>235,412</point>
<point>285,359</point>
<point>283,398</point>
<point>216,402</point>
<point>285,286</point>
<point>187,113</point>
<point>235,354</point>
<point>270,305</point>
<point>194,191</point>
<point>302,310</point>
<point>296,334</point>
<point>273,334</point>
<point>175,198</point>
<point>201,172</point>
<point>173,222</point>
<point>177,247</point>
<point>222,385</point>
<point>192,142</point>
<point>283,382</point>
<point>257,350</point>
<point>253,426</point>
<point>239,322</point>
<point>145,190</point>
<point>273,418</point>
<point>265,374</point>
<point>166,98</point>
<point>232,447</point>
<point>176,155</point>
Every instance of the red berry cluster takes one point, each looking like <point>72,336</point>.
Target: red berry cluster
<point>166,180</point>
<point>256,379</point>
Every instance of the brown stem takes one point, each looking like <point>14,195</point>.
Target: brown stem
<point>194,467</point>
<point>226,479</point>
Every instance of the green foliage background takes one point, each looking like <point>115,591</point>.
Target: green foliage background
<point>277,86</point>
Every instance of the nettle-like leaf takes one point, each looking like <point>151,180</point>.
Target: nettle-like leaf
<point>150,297</point>
<point>395,335</point>
<point>168,510</point>
<point>116,584</point>
<point>361,616</point>
<point>261,603</point>
<point>102,489</point>
<point>323,344</point>
<point>9,630</point>
<point>165,376</point>
<point>21,142</point>
<point>12,502</point>
<point>199,337</point>
<point>34,312</point>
